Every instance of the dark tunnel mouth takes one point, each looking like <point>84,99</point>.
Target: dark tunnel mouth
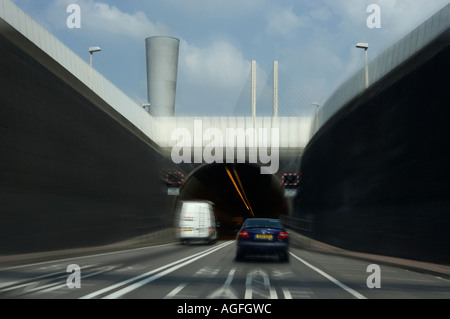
<point>219,183</point>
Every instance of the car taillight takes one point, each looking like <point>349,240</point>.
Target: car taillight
<point>243,234</point>
<point>283,235</point>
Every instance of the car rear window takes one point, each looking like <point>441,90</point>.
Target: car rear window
<point>262,223</point>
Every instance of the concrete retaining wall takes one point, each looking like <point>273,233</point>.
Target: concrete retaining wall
<point>376,177</point>
<point>70,175</point>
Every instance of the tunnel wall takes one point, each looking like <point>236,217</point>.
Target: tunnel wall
<point>70,175</point>
<point>376,177</point>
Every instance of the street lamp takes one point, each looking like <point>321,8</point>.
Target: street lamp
<point>91,52</point>
<point>146,107</point>
<point>316,104</point>
<point>365,46</point>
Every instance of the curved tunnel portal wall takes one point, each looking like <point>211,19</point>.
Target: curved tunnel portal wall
<point>213,182</point>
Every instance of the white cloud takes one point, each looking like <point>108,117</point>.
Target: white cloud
<point>100,17</point>
<point>284,22</point>
<point>219,65</point>
<point>217,8</point>
<point>321,14</point>
<point>210,78</point>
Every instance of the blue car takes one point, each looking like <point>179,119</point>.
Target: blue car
<point>262,236</point>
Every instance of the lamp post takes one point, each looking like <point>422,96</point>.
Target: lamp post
<point>365,46</point>
<point>315,104</point>
<point>146,107</point>
<point>91,52</point>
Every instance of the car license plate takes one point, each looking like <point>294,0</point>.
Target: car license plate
<point>264,236</point>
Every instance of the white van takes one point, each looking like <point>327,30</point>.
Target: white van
<point>196,221</point>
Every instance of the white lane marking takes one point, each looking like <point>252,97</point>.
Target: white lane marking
<point>87,256</point>
<point>297,293</point>
<point>225,292</point>
<point>287,293</point>
<point>330,278</point>
<point>100,271</point>
<point>207,272</point>
<point>104,290</point>
<point>230,276</point>
<point>7,284</point>
<point>143,282</point>
<point>276,273</point>
<point>261,287</point>
<point>33,281</point>
<point>99,292</point>
<point>175,291</point>
<point>34,284</point>
<point>120,284</point>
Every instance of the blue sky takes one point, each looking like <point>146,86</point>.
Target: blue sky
<point>313,41</point>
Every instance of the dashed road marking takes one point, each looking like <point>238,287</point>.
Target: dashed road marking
<point>207,272</point>
<point>174,292</point>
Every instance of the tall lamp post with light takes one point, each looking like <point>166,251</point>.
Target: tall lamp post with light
<point>91,52</point>
<point>365,46</point>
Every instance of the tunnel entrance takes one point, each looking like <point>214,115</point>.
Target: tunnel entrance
<point>238,191</point>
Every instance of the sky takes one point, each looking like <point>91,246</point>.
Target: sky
<point>312,40</point>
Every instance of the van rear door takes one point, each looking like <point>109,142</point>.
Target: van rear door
<point>189,224</point>
<point>196,221</point>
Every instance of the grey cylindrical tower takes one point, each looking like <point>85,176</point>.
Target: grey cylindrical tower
<point>162,69</point>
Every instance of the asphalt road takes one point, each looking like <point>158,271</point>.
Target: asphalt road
<point>188,272</point>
